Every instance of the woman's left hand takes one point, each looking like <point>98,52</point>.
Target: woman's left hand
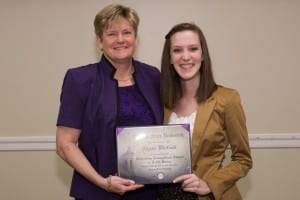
<point>192,183</point>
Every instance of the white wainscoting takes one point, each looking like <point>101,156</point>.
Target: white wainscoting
<point>47,143</point>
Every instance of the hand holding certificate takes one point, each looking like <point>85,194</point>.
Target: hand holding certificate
<point>153,154</point>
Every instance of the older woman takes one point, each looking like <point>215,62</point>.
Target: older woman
<point>96,98</point>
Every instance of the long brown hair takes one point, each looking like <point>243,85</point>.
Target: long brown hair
<point>171,90</point>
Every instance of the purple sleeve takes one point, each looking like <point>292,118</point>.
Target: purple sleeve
<point>72,102</point>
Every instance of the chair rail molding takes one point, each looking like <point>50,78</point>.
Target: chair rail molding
<point>47,143</point>
<point>29,143</point>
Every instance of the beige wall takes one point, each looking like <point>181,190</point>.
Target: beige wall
<point>254,47</point>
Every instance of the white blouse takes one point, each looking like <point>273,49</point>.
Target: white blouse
<point>175,119</point>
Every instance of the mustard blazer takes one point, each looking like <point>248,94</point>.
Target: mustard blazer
<point>220,122</point>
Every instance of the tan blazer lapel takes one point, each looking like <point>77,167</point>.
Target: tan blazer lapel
<point>167,114</point>
<point>204,112</point>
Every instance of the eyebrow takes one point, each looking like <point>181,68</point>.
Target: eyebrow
<point>192,45</point>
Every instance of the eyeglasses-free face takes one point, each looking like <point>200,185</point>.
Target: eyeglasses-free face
<point>118,42</point>
<point>186,54</point>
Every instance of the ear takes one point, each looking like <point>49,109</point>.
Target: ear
<point>99,42</point>
<point>136,40</point>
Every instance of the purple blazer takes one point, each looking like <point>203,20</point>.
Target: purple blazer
<point>89,102</point>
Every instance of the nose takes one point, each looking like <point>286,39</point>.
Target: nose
<point>185,55</point>
<point>120,37</point>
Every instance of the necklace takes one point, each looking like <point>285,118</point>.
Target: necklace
<point>128,77</point>
<point>123,80</point>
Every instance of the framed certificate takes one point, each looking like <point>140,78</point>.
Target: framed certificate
<point>154,154</point>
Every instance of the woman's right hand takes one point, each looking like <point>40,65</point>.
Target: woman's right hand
<point>120,185</point>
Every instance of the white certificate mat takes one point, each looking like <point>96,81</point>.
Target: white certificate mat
<point>154,154</point>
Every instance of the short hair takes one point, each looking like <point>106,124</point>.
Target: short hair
<point>171,90</point>
<point>115,13</point>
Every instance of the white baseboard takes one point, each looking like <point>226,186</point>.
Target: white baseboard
<point>47,143</point>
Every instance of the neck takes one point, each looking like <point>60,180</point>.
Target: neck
<point>190,87</point>
<point>124,70</point>
<point>124,73</point>
<point>121,64</point>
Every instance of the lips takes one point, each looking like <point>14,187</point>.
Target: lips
<point>188,65</point>
<point>120,48</point>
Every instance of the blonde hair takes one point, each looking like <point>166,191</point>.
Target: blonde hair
<point>115,13</point>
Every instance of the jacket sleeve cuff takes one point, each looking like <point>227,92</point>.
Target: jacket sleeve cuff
<point>216,192</point>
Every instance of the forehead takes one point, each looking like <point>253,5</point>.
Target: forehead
<point>186,37</point>
<point>118,25</point>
